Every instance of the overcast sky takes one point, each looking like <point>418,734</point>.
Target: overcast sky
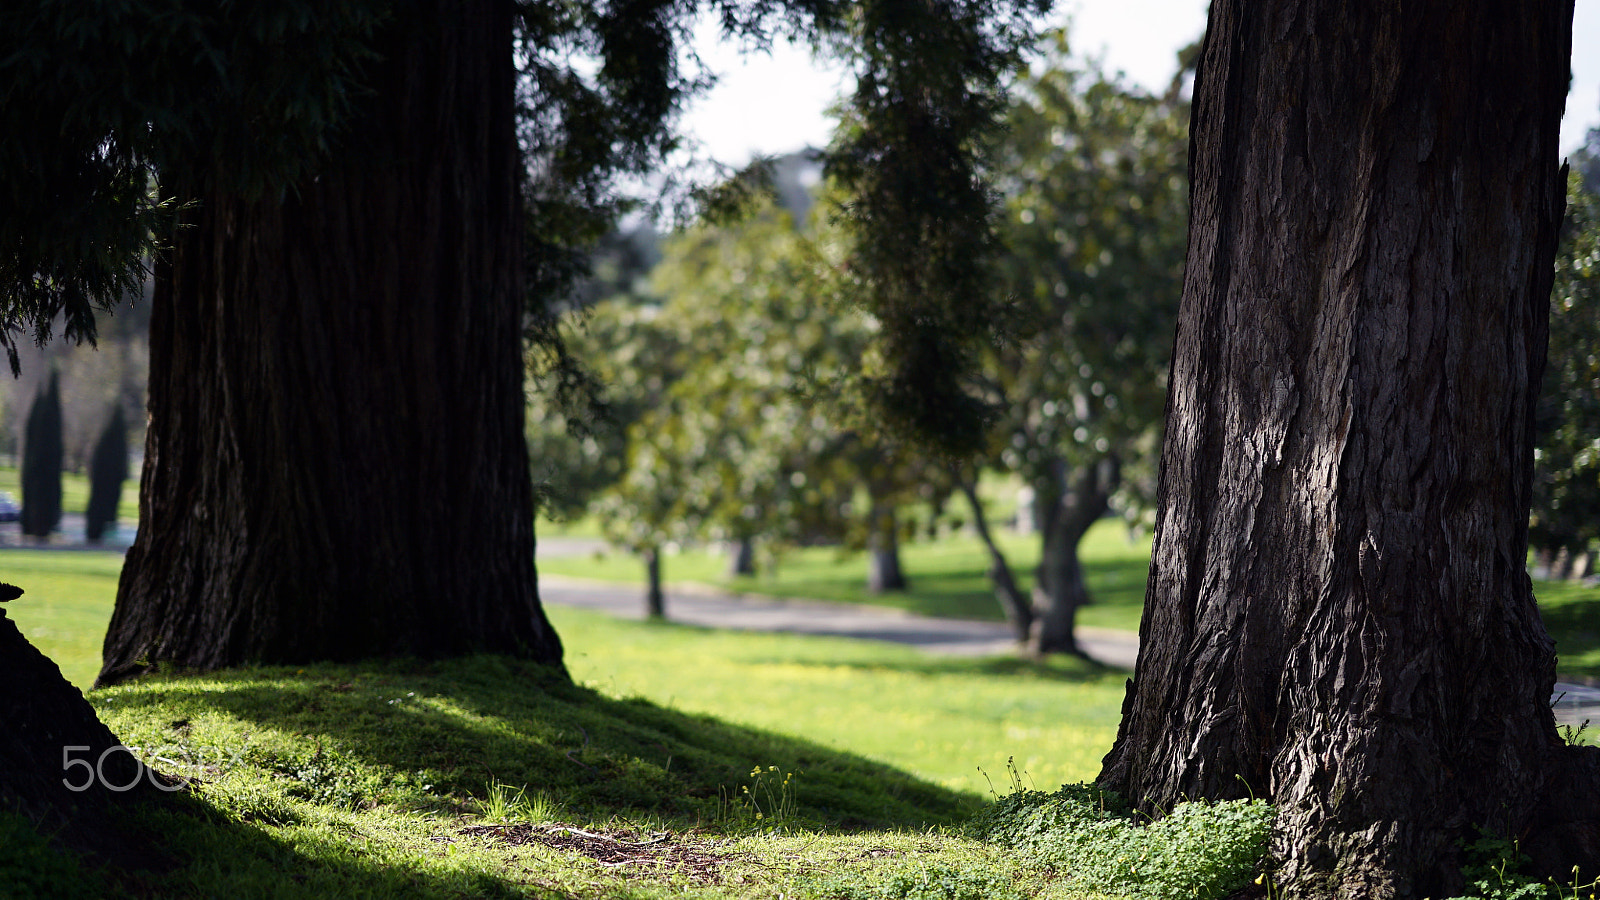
<point>777,104</point>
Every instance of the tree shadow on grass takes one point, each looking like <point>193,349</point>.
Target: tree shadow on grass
<point>426,741</point>
<point>384,729</point>
<point>221,854</point>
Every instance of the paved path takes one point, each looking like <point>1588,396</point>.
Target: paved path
<point>1576,704</point>
<point>696,605</point>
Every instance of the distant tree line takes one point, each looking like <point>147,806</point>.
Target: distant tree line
<point>42,466</point>
<point>735,409</point>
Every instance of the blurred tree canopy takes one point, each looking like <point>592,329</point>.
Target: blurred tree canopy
<point>720,418</point>
<point>1093,172</point>
<point>1566,486</point>
<point>762,430</point>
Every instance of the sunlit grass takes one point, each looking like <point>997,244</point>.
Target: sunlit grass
<point>940,718</point>
<point>365,780</point>
<point>368,780</point>
<point>67,605</point>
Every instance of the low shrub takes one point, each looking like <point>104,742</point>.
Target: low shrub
<point>1090,836</point>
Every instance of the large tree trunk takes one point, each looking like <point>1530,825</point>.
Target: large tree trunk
<point>1064,513</point>
<point>1338,617</point>
<point>335,465</point>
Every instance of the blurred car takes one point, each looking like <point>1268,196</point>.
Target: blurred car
<point>9,510</point>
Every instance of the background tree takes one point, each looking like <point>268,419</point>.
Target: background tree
<point>1566,484</point>
<point>1338,616</point>
<point>41,463</point>
<point>632,348</point>
<point>761,443</point>
<point>1094,176</point>
<point>108,469</point>
<point>921,213</point>
<point>738,435</point>
<point>113,370</point>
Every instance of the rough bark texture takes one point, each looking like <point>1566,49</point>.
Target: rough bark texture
<point>1019,613</point>
<point>1338,616</point>
<point>1064,512</point>
<point>335,465</point>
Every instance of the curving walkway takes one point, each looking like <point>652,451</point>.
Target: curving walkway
<point>696,605</point>
<point>1574,702</point>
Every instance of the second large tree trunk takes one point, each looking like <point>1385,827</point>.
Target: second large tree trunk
<point>335,464</point>
<point>1338,616</point>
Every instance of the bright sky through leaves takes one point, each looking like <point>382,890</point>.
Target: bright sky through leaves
<point>776,104</point>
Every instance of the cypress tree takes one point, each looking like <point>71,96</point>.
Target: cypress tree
<point>41,463</point>
<point>108,469</point>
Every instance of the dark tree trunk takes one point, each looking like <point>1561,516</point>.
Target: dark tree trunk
<point>883,553</point>
<point>335,466</point>
<point>108,469</point>
<point>1065,511</point>
<point>655,599</point>
<point>42,463</point>
<point>60,767</point>
<point>741,557</point>
<point>1338,617</point>
<point>1015,606</point>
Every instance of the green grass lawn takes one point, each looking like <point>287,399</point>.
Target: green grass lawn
<point>369,780</point>
<point>67,605</point>
<point>1571,614</point>
<point>738,765</point>
<point>940,719</point>
<point>444,779</point>
<point>949,576</point>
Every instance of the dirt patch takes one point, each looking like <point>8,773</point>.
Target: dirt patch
<point>623,850</point>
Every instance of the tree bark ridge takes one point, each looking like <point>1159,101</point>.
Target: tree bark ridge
<point>335,464</point>
<point>1338,617</point>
